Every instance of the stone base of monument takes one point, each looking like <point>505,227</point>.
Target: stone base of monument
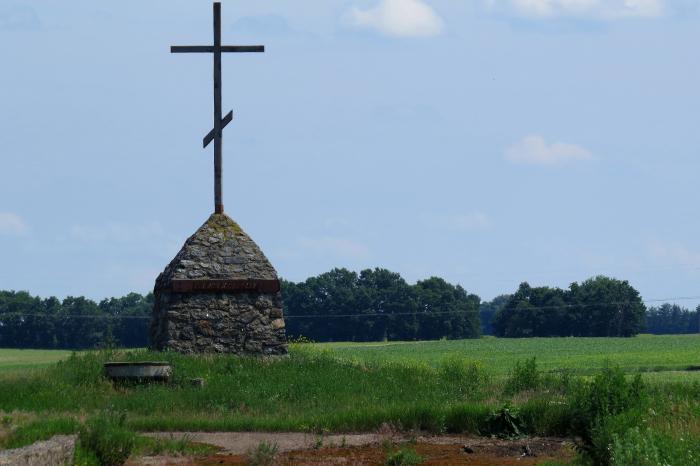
<point>220,294</point>
<point>146,371</point>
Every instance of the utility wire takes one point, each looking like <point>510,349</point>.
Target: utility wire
<point>375,315</point>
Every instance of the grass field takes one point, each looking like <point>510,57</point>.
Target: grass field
<point>20,359</point>
<point>474,386</point>
<point>582,355</point>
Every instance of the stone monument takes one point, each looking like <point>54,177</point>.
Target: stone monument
<point>219,293</point>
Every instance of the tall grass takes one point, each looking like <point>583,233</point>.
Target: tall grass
<point>316,391</point>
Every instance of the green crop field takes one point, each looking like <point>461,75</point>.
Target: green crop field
<point>21,359</point>
<point>581,355</point>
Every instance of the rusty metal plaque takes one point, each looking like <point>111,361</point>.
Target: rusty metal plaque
<point>225,286</point>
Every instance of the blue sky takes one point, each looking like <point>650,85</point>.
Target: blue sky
<point>488,142</point>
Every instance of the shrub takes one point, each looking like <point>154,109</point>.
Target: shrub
<point>524,376</point>
<point>466,418</point>
<point>545,415</point>
<point>403,457</point>
<point>108,438</point>
<point>262,455</point>
<point>646,447</point>
<point>83,457</point>
<point>504,422</point>
<point>603,408</point>
<point>469,376</point>
<point>635,448</point>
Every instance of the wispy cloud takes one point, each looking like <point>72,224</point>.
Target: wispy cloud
<point>12,224</point>
<point>398,18</point>
<point>587,9</point>
<point>536,150</point>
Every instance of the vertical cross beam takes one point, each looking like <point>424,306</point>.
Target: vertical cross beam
<point>218,146</point>
<point>216,134</point>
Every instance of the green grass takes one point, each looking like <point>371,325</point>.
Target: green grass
<point>21,359</point>
<point>645,352</point>
<point>582,355</point>
<point>468,386</point>
<point>310,390</point>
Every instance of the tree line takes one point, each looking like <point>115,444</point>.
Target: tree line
<point>378,304</point>
<point>372,305</point>
<point>28,321</point>
<point>598,307</point>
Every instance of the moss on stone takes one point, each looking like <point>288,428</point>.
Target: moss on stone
<point>222,223</point>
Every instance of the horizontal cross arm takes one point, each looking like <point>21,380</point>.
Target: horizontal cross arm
<point>224,121</point>
<point>210,48</point>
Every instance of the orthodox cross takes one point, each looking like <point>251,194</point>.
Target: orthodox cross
<point>219,123</point>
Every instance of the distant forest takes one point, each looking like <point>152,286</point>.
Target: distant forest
<point>372,305</point>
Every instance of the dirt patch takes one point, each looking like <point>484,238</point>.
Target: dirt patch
<point>238,443</point>
<point>371,449</point>
<point>441,451</point>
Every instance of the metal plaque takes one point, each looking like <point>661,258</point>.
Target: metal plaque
<point>225,286</point>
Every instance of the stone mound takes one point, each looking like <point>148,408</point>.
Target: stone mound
<point>219,294</point>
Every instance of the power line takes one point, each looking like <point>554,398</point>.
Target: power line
<point>374,315</point>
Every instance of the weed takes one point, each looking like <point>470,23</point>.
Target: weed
<point>524,376</point>
<point>605,407</point>
<point>84,457</point>
<point>107,437</point>
<point>262,455</point>
<point>403,457</point>
<point>504,422</point>
<point>468,376</point>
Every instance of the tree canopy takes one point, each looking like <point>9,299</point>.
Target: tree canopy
<point>378,304</point>
<point>75,323</point>
<point>672,319</point>
<point>598,307</point>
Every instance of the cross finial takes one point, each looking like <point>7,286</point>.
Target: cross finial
<point>219,123</point>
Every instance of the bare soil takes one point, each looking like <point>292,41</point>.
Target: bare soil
<point>370,449</point>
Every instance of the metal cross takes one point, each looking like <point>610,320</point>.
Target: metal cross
<point>219,122</point>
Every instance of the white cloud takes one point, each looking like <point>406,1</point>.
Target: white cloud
<point>400,18</point>
<point>340,247</point>
<point>596,9</point>
<point>535,150</point>
<point>12,224</point>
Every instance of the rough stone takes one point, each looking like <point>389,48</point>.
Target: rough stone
<point>248,322</point>
<point>57,451</point>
